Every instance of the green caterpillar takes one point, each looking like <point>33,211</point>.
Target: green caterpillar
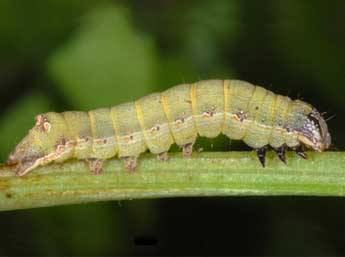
<point>178,115</point>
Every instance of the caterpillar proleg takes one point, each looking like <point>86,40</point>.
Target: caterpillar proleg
<point>178,115</point>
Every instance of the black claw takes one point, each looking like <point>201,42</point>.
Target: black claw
<point>281,153</point>
<point>300,152</point>
<point>261,153</point>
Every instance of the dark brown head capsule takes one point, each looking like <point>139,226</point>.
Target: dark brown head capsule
<point>314,132</point>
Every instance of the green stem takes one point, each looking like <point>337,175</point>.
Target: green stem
<point>204,174</point>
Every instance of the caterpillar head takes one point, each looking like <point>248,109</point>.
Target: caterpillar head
<point>314,131</point>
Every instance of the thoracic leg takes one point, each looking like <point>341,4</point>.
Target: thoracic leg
<point>95,165</point>
<point>261,153</point>
<point>130,162</point>
<point>187,149</point>
<point>281,153</point>
<point>299,150</point>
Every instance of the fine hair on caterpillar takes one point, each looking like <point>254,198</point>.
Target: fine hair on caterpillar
<point>235,108</point>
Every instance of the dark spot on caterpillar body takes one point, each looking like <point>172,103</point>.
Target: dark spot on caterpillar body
<point>178,115</point>
<point>8,195</point>
<point>240,116</point>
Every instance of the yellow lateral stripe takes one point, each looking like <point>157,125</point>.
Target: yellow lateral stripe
<point>116,132</point>
<point>140,117</point>
<point>167,113</point>
<point>93,133</point>
<point>226,91</point>
<point>273,113</point>
<point>193,99</point>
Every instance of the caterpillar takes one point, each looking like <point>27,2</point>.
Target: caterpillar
<point>178,115</point>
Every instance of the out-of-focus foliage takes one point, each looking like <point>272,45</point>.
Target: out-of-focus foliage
<point>93,227</point>
<point>316,47</point>
<point>192,44</point>
<point>125,59</point>
<point>16,122</point>
<point>29,29</point>
<point>59,55</point>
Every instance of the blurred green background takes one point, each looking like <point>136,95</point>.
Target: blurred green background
<point>83,54</point>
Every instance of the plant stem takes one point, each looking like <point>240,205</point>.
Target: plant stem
<point>204,174</point>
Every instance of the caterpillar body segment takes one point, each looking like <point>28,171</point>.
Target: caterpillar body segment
<point>127,130</point>
<point>256,130</point>
<point>178,115</point>
<point>104,143</point>
<point>80,129</point>
<point>154,123</point>
<point>281,109</point>
<point>208,107</point>
<point>177,104</point>
<point>237,97</point>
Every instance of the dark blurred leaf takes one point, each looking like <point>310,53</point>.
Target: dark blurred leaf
<point>194,38</point>
<point>92,230</point>
<point>30,28</point>
<point>311,37</point>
